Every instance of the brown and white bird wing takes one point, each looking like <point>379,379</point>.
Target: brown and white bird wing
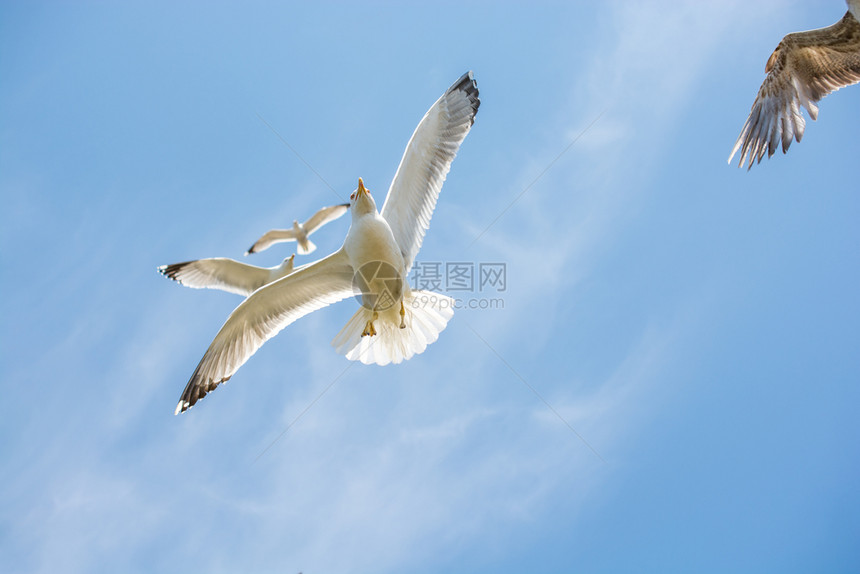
<point>425,164</point>
<point>218,273</point>
<point>270,238</point>
<point>805,67</point>
<point>325,215</point>
<point>262,316</point>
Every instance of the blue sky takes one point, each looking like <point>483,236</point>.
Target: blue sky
<point>695,323</point>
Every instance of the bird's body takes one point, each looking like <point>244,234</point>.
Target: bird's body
<point>405,321</point>
<point>370,239</point>
<point>393,322</point>
<point>804,68</point>
<point>304,245</point>
<point>225,274</point>
<point>300,231</point>
<point>370,246</point>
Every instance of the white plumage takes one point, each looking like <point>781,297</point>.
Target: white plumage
<point>300,231</point>
<point>226,274</point>
<point>393,323</point>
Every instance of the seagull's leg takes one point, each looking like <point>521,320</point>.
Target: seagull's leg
<point>369,329</point>
<point>402,315</point>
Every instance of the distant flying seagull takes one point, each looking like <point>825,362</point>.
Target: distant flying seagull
<point>805,67</point>
<point>300,231</point>
<point>393,323</point>
<point>226,274</point>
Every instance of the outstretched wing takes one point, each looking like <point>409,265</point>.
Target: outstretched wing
<point>425,164</point>
<point>270,238</point>
<point>217,273</point>
<point>325,215</point>
<point>805,67</point>
<point>262,316</point>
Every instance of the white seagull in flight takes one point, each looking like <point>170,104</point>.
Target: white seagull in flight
<point>393,323</point>
<point>805,67</point>
<point>226,274</point>
<point>300,231</point>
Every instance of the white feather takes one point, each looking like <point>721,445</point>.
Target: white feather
<point>263,315</point>
<point>425,165</point>
<point>225,274</point>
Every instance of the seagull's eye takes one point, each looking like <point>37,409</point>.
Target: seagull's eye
<point>352,195</point>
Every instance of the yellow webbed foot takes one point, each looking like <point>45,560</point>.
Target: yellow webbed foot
<point>369,329</point>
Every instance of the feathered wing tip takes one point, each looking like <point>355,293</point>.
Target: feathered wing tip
<point>173,270</point>
<point>305,247</point>
<point>469,86</point>
<point>772,124</point>
<point>427,315</point>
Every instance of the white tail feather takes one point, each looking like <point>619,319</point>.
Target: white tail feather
<point>305,247</point>
<point>427,315</point>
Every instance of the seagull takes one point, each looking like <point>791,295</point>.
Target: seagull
<point>300,231</point>
<point>805,67</point>
<point>226,274</point>
<point>393,322</point>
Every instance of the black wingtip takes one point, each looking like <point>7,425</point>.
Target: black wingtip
<point>170,271</point>
<point>467,78</point>
<point>196,391</point>
<point>469,86</point>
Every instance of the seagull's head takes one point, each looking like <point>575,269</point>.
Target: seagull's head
<point>361,201</point>
<point>288,262</point>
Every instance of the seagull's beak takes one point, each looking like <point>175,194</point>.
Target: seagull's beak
<point>361,189</point>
